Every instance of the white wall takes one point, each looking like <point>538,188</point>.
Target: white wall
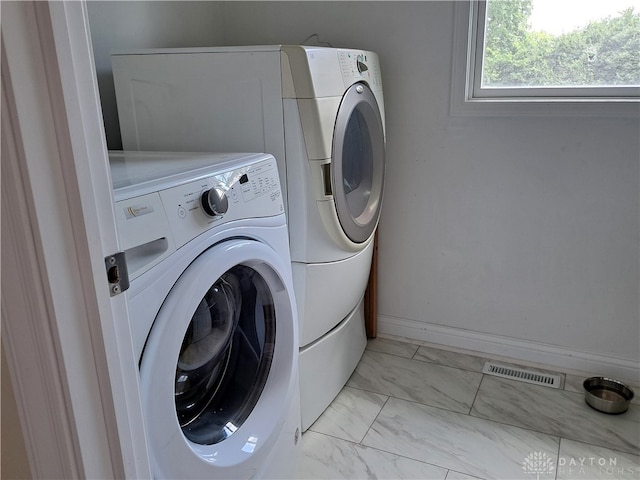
<point>515,235</point>
<point>145,24</point>
<point>520,230</point>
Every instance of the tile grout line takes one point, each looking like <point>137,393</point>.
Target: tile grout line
<point>374,420</point>
<point>558,457</point>
<point>360,444</point>
<point>595,445</point>
<point>558,437</point>
<point>469,413</point>
<point>476,396</point>
<point>447,469</point>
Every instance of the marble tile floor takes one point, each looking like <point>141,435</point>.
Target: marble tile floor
<point>416,412</point>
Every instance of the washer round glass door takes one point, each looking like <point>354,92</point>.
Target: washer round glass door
<point>358,163</point>
<point>225,356</point>
<point>218,371</point>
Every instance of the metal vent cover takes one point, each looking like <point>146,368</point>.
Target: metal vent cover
<point>522,375</point>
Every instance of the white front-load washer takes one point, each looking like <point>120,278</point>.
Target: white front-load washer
<point>213,314</point>
<point>320,112</point>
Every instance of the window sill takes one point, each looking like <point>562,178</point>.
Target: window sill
<point>555,107</point>
<point>464,104</point>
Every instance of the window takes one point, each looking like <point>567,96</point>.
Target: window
<point>549,51</point>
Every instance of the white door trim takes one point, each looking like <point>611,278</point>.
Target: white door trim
<point>68,343</point>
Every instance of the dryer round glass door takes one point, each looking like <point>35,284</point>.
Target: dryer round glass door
<point>358,163</point>
<point>218,371</point>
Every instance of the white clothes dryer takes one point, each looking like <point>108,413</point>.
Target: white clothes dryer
<point>214,319</point>
<point>320,112</point>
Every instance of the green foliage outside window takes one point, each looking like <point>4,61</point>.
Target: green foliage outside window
<point>604,52</point>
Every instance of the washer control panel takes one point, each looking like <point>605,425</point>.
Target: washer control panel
<point>247,192</point>
<point>163,199</point>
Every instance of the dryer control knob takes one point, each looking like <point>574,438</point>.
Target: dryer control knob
<point>362,67</point>
<point>214,202</point>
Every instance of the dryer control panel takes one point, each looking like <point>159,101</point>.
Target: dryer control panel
<point>359,65</point>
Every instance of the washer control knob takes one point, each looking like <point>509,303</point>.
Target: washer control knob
<point>214,202</point>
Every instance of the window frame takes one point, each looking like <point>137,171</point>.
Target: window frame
<point>469,97</point>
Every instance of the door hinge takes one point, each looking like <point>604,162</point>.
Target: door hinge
<point>117,274</point>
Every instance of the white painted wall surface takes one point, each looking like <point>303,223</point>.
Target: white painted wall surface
<point>518,227</point>
<point>495,230</point>
<point>144,24</point>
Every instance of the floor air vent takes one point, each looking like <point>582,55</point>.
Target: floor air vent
<point>529,376</point>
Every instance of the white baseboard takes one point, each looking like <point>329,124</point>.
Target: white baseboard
<point>562,359</point>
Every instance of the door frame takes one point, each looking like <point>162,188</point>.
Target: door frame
<point>67,341</point>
